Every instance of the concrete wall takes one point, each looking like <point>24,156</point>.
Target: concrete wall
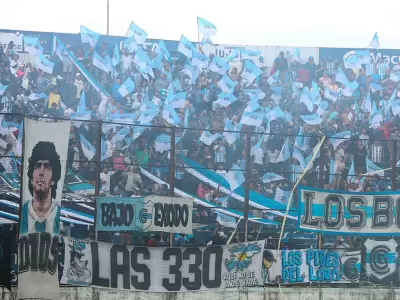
<point>296,293</point>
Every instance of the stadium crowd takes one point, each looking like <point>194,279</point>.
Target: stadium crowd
<point>281,144</point>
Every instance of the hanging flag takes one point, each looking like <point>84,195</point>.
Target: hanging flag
<point>186,47</point>
<point>206,27</point>
<point>44,64</point>
<point>199,60</point>
<point>3,88</point>
<point>218,65</point>
<point>87,148</point>
<point>88,36</point>
<point>252,118</point>
<point>127,87</point>
<point>250,71</point>
<point>138,33</point>
<point>285,152</point>
<point>116,55</point>
<point>375,42</point>
<point>313,119</point>
<point>226,99</point>
<point>100,62</point>
<point>82,103</point>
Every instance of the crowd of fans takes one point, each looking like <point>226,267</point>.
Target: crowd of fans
<point>345,163</point>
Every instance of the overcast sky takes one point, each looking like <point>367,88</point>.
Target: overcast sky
<point>338,23</point>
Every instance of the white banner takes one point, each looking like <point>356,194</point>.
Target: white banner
<point>349,213</point>
<point>45,156</point>
<point>153,213</point>
<point>162,269</point>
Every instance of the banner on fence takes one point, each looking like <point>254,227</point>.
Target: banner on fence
<point>152,213</point>
<point>349,213</point>
<point>45,155</point>
<point>311,265</point>
<point>160,269</point>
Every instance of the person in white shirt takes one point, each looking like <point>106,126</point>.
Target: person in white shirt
<point>79,85</point>
<point>105,180</point>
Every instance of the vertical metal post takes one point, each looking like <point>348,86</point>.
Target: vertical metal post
<point>108,17</point>
<point>394,162</point>
<point>172,173</point>
<point>98,170</point>
<point>247,186</point>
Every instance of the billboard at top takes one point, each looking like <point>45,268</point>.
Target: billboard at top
<point>330,54</point>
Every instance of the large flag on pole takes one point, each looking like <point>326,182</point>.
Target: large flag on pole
<point>206,27</point>
<point>88,36</point>
<point>138,33</point>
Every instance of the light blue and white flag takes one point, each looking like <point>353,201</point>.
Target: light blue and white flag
<point>186,118</point>
<point>116,56</point>
<point>363,56</point>
<point>233,55</point>
<point>395,76</point>
<point>332,171</point>
<point>127,87</point>
<point>163,143</point>
<point>271,177</point>
<point>82,103</point>
<point>44,64</point>
<point>331,94</point>
<point>138,130</point>
<point>274,79</point>
<point>142,60</point>
<point>250,71</point>
<point>275,113</point>
<point>285,152</point>
<point>226,99</point>
<point>341,77</point>
<point>249,54</point>
<point>256,92</point>
<point>178,100</point>
<point>230,137</point>
<point>296,55</point>
<point>100,62</point>
<point>206,40</point>
<point>375,87</point>
<point>352,172</point>
<point>206,27</point>
<point>314,92</point>
<point>130,44</point>
<point>282,196</point>
<point>371,167</point>
<point>208,138</point>
<point>322,107</point>
<point>226,84</point>
<point>87,148</point>
<point>56,49</point>
<point>146,116</point>
<point>32,45</point>
<point>138,33</point>
<point>252,118</point>
<point>376,118</point>
<point>121,134</point>
<point>339,138</point>
<point>375,42</point>
<point>352,62</point>
<point>300,141</point>
<point>199,60</point>
<point>186,47</point>
<point>88,36</point>
<point>367,104</point>
<point>169,114</point>
<point>3,88</point>
<point>300,158</point>
<point>157,61</point>
<point>218,65</point>
<point>163,49</point>
<point>225,220</point>
<point>235,177</point>
<point>313,119</point>
<point>306,100</point>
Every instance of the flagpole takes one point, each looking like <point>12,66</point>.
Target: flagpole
<point>108,17</point>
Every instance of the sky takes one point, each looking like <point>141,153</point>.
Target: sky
<point>306,23</point>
